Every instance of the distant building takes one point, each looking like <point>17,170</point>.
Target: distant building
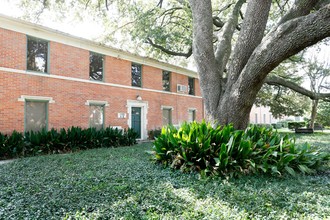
<point>261,115</point>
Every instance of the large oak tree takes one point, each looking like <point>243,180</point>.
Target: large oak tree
<point>229,95</point>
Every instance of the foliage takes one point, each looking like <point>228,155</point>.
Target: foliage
<point>53,141</point>
<point>225,151</point>
<point>153,134</point>
<point>323,115</point>
<point>121,183</point>
<point>296,124</point>
<point>283,101</point>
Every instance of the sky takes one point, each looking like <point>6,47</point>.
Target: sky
<point>89,29</point>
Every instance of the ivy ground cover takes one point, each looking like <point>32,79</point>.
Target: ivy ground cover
<point>122,183</point>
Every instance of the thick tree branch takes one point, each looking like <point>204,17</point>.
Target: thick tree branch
<point>278,81</point>
<point>225,37</point>
<point>322,3</point>
<point>288,39</point>
<point>163,49</point>
<point>300,8</point>
<point>250,36</point>
<point>210,78</point>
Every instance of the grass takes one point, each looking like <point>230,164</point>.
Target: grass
<point>122,183</point>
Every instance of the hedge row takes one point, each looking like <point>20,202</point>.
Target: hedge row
<point>32,143</point>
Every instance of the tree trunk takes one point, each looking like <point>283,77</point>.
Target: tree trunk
<point>314,112</point>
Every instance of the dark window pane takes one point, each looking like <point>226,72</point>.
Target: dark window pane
<point>166,80</point>
<point>96,116</point>
<point>136,75</point>
<point>37,55</point>
<point>96,66</point>
<point>191,86</point>
<point>35,116</point>
<point>167,116</point>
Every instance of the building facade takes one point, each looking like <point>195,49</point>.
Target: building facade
<point>51,79</point>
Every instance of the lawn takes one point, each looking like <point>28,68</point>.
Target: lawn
<point>122,183</point>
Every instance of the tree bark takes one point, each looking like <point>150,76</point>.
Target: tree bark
<point>314,112</point>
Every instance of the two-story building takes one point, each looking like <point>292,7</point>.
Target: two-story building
<point>49,79</point>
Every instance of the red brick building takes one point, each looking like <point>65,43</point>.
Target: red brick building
<point>50,79</point>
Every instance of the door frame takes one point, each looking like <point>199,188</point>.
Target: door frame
<point>144,111</point>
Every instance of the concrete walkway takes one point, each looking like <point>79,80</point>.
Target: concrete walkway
<point>6,161</point>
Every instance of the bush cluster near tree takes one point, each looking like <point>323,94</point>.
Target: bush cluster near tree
<point>52,142</point>
<point>225,151</point>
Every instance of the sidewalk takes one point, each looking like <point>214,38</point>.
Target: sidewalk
<point>6,161</point>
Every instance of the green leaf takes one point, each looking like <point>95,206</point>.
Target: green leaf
<point>290,170</point>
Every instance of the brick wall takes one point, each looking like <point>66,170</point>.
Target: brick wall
<point>70,95</point>
<point>12,49</point>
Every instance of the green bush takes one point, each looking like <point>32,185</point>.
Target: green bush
<point>153,134</point>
<point>294,124</point>
<point>225,151</point>
<point>11,145</point>
<point>53,141</point>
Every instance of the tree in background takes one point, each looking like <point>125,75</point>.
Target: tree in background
<point>318,75</point>
<point>235,44</point>
<point>282,100</point>
<point>323,114</point>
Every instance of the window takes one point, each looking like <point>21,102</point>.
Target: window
<point>270,119</point>
<point>256,118</point>
<point>167,116</point>
<point>136,75</point>
<point>36,115</point>
<point>37,55</point>
<point>96,66</point>
<point>96,116</point>
<point>264,118</point>
<point>166,81</point>
<point>191,115</point>
<point>191,86</point>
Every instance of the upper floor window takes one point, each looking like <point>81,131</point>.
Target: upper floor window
<point>136,75</point>
<point>37,55</point>
<point>191,86</point>
<point>96,66</point>
<point>166,80</point>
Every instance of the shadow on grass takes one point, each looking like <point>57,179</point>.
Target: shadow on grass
<point>123,184</point>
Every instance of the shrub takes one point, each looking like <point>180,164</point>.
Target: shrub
<point>53,141</point>
<point>225,151</point>
<point>294,124</point>
<point>153,134</point>
<point>11,145</point>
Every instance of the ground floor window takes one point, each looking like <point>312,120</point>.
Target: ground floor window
<point>36,113</point>
<point>191,115</point>
<point>96,116</point>
<point>167,116</point>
